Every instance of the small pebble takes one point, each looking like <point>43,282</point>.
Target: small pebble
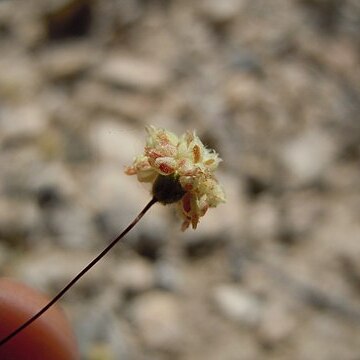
<point>238,305</point>
<point>157,316</point>
<point>133,72</point>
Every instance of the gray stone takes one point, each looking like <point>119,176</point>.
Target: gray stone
<point>168,275</point>
<point>100,334</point>
<point>221,11</point>
<point>27,120</point>
<point>238,305</point>
<point>94,96</point>
<point>133,275</point>
<point>157,316</point>
<point>17,167</point>
<point>66,60</point>
<point>112,140</point>
<point>308,156</point>
<point>133,72</point>
<point>264,221</point>
<point>277,324</point>
<point>302,212</point>
<point>55,176</point>
<point>72,226</point>
<point>19,221</point>
<point>20,78</point>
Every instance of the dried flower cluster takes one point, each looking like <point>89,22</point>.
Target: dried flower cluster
<point>183,162</point>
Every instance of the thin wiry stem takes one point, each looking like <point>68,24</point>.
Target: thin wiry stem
<point>62,292</point>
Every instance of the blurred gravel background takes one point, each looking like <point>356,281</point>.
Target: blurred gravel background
<point>273,86</point>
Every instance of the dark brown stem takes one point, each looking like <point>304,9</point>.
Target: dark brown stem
<point>79,275</point>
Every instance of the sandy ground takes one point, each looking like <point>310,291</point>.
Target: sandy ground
<point>273,86</point>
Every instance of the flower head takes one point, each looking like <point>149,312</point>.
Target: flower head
<point>181,170</point>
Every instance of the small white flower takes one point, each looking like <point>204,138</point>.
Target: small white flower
<point>181,170</point>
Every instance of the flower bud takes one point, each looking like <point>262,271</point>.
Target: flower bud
<point>167,189</point>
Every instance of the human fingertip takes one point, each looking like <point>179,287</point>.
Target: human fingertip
<point>49,337</point>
